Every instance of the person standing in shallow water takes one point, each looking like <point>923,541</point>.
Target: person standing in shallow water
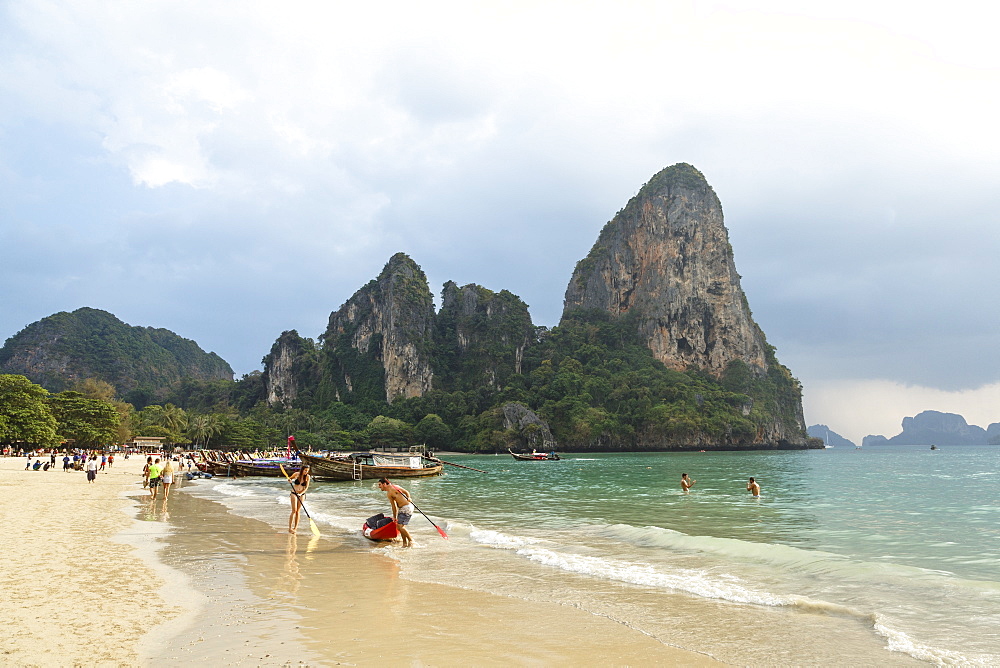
<point>753,488</point>
<point>686,482</point>
<point>402,508</point>
<point>300,483</point>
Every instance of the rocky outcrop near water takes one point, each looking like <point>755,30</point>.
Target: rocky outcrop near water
<point>829,436</point>
<point>529,432</point>
<point>64,348</point>
<point>665,261</point>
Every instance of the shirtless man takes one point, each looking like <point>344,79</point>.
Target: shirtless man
<point>754,488</point>
<point>402,509</point>
<point>686,482</point>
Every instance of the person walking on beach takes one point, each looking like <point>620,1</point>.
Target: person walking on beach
<point>300,483</point>
<point>92,468</point>
<point>753,488</point>
<point>686,483</point>
<point>145,472</point>
<point>65,462</point>
<point>154,478</point>
<point>402,508</point>
<point>167,477</point>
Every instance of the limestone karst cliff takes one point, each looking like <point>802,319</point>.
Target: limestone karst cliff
<point>480,337</point>
<point>379,341</point>
<point>290,369</point>
<point>666,262</point>
<point>666,257</point>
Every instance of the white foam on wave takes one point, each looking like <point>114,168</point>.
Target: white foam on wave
<point>897,641</point>
<point>500,540</point>
<point>685,580</point>
<point>229,489</point>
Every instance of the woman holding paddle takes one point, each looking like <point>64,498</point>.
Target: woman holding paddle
<point>300,483</point>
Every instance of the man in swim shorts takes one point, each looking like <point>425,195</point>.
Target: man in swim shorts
<point>753,488</point>
<point>154,478</point>
<point>686,482</point>
<point>402,508</point>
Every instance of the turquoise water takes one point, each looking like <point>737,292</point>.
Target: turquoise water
<point>884,555</point>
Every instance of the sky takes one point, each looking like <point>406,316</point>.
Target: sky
<point>230,171</point>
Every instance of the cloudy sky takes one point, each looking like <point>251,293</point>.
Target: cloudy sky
<point>232,170</point>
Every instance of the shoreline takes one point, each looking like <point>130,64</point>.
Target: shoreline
<point>280,599</point>
<point>104,577</point>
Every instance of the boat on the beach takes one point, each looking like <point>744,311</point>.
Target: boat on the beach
<point>370,466</point>
<point>379,527</point>
<point>535,456</point>
<point>268,468</point>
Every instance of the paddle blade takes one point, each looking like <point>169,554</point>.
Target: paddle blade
<point>441,531</point>
<point>313,527</point>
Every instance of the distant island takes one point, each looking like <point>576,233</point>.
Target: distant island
<point>829,437</point>
<point>936,428</point>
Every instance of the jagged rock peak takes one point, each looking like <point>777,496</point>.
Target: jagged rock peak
<point>666,259</point>
<point>388,321</point>
<point>481,336</point>
<point>288,368</point>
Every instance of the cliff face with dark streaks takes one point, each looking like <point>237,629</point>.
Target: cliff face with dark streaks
<point>665,260</point>
<point>379,341</point>
<point>666,256</point>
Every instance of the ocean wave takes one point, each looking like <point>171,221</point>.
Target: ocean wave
<point>813,562</point>
<point>897,641</point>
<point>229,489</point>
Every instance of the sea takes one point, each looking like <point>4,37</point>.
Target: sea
<point>885,555</point>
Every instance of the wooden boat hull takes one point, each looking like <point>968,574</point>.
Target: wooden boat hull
<point>546,457</point>
<point>265,469</point>
<point>323,468</point>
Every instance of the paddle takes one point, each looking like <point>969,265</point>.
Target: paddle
<point>312,524</point>
<point>440,530</point>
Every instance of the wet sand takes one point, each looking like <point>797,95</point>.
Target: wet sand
<point>275,599</point>
<point>98,575</point>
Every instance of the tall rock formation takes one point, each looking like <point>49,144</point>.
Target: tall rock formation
<point>666,257</point>
<point>480,337</point>
<point>379,343</point>
<point>666,262</point>
<point>290,369</point>
<point>66,347</point>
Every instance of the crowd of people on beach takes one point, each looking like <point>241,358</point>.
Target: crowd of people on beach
<point>91,461</point>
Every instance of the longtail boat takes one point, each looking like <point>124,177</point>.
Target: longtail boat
<point>535,456</point>
<point>370,465</point>
<point>270,467</point>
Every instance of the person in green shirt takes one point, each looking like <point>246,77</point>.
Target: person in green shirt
<point>154,478</point>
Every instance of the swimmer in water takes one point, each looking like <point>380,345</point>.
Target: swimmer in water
<point>754,488</point>
<point>686,482</point>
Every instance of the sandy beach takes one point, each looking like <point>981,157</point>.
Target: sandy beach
<point>100,576</point>
<point>73,593</point>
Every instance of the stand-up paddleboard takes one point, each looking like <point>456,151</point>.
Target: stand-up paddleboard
<point>379,527</point>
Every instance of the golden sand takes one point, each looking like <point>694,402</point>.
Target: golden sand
<point>186,581</point>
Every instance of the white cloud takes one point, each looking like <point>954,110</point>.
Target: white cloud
<point>298,145</point>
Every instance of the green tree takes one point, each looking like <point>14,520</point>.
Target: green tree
<point>25,414</point>
<point>89,422</point>
<point>432,431</point>
<point>385,432</point>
